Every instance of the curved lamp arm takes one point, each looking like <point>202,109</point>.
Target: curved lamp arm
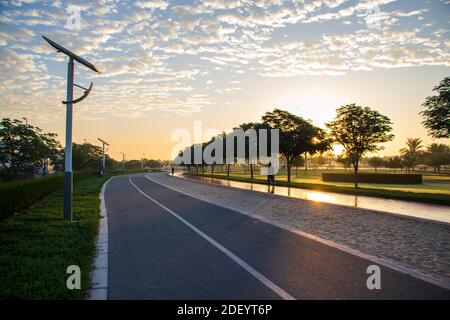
<point>86,93</point>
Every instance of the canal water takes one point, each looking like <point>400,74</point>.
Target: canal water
<point>409,208</point>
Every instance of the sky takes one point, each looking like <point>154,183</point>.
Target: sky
<point>166,64</point>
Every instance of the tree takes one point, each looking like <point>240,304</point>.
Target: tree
<point>394,163</point>
<point>359,130</point>
<point>412,152</point>
<point>376,162</point>
<point>86,156</point>
<point>345,161</point>
<point>323,144</point>
<point>24,149</point>
<point>297,135</point>
<point>296,162</point>
<point>319,160</point>
<point>330,158</point>
<point>437,111</point>
<point>152,163</point>
<point>437,155</point>
<point>48,152</point>
<point>246,126</point>
<point>133,164</point>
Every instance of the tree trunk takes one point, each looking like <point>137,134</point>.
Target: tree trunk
<point>251,171</point>
<point>355,166</point>
<point>288,167</point>
<point>228,170</point>
<point>212,170</point>
<point>306,163</point>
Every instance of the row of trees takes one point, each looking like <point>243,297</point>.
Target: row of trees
<point>296,136</point>
<point>435,155</point>
<point>359,130</point>
<point>27,151</point>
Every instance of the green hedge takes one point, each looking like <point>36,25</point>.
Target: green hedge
<point>19,195</point>
<point>374,178</point>
<point>118,172</point>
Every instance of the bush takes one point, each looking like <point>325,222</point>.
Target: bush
<point>118,172</point>
<point>19,195</point>
<point>373,178</point>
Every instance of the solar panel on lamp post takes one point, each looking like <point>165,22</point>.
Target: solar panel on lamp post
<point>68,175</point>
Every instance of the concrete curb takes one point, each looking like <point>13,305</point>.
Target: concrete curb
<point>99,272</point>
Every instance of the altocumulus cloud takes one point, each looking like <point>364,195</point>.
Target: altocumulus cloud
<point>158,55</point>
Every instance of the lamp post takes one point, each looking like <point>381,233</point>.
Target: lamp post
<point>103,170</point>
<point>68,175</point>
<point>142,161</point>
<point>123,162</point>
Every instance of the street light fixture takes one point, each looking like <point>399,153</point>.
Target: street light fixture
<point>103,170</point>
<point>68,175</point>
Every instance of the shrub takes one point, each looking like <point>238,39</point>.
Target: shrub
<point>374,178</point>
<point>118,172</point>
<point>19,195</point>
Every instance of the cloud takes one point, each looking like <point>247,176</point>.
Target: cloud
<point>152,4</point>
<point>155,54</point>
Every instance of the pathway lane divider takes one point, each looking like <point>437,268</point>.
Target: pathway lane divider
<point>380,261</point>
<point>263,279</point>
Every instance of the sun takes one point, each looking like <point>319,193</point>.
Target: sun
<point>338,149</point>
<point>315,105</point>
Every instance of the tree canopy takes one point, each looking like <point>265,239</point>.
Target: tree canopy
<point>437,111</point>
<point>376,162</point>
<point>359,130</point>
<point>25,149</point>
<point>297,135</point>
<point>437,155</point>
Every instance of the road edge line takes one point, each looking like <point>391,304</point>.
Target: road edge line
<point>403,269</point>
<point>263,279</point>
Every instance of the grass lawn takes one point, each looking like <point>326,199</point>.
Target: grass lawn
<point>435,189</point>
<point>37,245</point>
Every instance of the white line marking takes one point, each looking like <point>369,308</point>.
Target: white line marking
<point>99,273</point>
<point>283,294</point>
<point>400,268</point>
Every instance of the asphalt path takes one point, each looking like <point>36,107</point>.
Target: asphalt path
<point>166,245</point>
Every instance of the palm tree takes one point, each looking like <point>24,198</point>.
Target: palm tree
<point>411,153</point>
<point>413,145</point>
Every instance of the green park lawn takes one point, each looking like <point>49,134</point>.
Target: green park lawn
<point>37,245</point>
<point>434,189</point>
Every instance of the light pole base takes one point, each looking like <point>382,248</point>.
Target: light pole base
<point>68,187</point>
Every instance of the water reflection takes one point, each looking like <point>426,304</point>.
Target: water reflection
<point>413,209</point>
